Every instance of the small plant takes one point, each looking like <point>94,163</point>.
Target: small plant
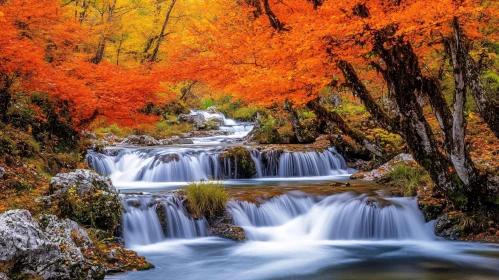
<point>206,199</point>
<point>408,177</point>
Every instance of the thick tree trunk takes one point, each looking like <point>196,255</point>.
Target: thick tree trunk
<point>489,108</point>
<point>333,117</point>
<point>404,78</point>
<point>161,35</point>
<point>458,151</point>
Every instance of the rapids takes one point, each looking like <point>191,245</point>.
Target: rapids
<point>294,235</point>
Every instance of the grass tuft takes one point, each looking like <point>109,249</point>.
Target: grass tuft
<point>206,199</point>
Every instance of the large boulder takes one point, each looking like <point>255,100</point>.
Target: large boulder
<point>200,122</point>
<point>140,140</point>
<point>197,119</point>
<point>51,249</point>
<point>88,198</point>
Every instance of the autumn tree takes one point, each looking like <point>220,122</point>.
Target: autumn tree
<point>272,51</point>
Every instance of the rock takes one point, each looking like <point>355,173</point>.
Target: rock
<point>166,142</point>
<point>212,110</point>
<point>448,227</point>
<point>197,119</point>
<point>183,141</point>
<point>4,276</point>
<point>3,173</point>
<point>140,140</point>
<point>83,179</point>
<point>245,168</point>
<point>223,226</point>
<point>88,198</point>
<point>385,168</point>
<point>54,249</point>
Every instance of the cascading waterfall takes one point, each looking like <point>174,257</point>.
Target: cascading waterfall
<point>237,129</point>
<point>142,222</point>
<point>187,165</point>
<point>346,216</point>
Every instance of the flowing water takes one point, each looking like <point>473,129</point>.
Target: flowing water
<point>296,232</point>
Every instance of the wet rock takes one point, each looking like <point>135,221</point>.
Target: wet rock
<point>431,209</point>
<point>51,249</point>
<point>223,226</point>
<point>385,168</point>
<point>448,227</point>
<point>139,140</point>
<point>242,165</point>
<point>88,198</point>
<point>166,142</point>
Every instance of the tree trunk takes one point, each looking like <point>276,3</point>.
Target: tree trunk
<point>302,135</point>
<point>99,53</point>
<point>4,103</point>
<point>161,35</point>
<point>360,90</point>
<point>489,108</point>
<point>274,21</point>
<point>257,5</point>
<point>458,151</point>
<point>331,116</point>
<point>404,78</point>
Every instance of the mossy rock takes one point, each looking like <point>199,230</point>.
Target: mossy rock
<point>242,165</point>
<point>88,198</point>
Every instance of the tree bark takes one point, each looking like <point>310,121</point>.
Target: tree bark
<point>404,78</point>
<point>300,131</point>
<point>5,97</point>
<point>359,89</point>
<point>331,116</point>
<point>4,103</point>
<point>161,35</point>
<point>489,108</point>
<point>274,21</point>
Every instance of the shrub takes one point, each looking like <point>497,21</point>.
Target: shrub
<point>206,199</point>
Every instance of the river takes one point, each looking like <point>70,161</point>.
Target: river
<point>298,225</point>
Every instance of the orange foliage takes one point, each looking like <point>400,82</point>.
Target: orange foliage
<point>234,51</point>
<point>40,52</point>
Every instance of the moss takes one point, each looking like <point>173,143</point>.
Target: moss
<point>206,199</point>
<point>240,160</point>
<point>97,208</point>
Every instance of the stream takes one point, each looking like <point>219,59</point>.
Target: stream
<point>304,228</point>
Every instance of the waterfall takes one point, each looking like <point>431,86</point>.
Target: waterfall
<point>188,165</point>
<point>346,216</point>
<point>142,220</point>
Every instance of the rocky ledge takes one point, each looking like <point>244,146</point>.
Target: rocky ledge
<point>50,249</point>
